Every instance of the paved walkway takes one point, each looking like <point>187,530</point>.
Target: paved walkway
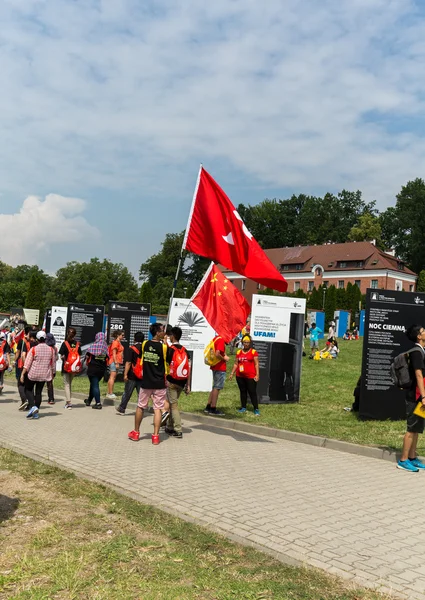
<point>340,512</point>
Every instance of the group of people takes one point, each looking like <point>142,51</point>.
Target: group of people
<point>331,349</point>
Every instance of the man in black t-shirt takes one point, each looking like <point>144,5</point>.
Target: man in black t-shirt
<point>415,425</point>
<point>176,386</point>
<point>131,381</point>
<point>155,356</point>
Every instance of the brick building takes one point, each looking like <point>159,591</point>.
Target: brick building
<point>359,263</point>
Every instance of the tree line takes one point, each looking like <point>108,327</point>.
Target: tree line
<point>275,223</point>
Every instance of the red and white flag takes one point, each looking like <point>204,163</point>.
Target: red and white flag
<point>221,303</point>
<point>216,230</point>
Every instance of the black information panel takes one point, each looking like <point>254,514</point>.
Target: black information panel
<point>280,366</point>
<point>48,319</point>
<point>129,318</point>
<point>87,320</point>
<point>388,315</point>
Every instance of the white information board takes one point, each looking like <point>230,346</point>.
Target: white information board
<point>58,328</point>
<point>271,317</point>
<point>197,333</point>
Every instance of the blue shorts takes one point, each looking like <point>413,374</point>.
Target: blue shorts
<point>219,377</point>
<point>113,368</point>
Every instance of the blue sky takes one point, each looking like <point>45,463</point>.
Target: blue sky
<point>107,107</point>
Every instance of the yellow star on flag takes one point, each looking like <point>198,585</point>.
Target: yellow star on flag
<point>220,293</point>
<point>214,279</point>
<point>225,287</point>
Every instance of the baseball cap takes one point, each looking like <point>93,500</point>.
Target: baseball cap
<point>41,335</point>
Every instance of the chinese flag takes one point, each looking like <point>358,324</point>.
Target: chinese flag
<point>221,303</point>
<point>216,230</point>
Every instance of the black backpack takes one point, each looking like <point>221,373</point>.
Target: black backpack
<point>399,369</point>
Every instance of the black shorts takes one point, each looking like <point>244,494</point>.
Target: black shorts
<point>415,424</point>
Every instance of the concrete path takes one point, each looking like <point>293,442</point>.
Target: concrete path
<point>353,516</point>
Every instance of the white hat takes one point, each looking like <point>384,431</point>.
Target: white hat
<point>41,335</point>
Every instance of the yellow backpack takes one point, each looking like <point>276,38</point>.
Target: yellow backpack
<point>210,357</point>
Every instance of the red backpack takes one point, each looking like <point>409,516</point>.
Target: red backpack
<point>179,365</point>
<point>3,360</point>
<point>72,362</point>
<point>138,367</point>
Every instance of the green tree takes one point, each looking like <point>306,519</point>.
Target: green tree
<point>367,228</point>
<point>315,299</point>
<point>341,298</point>
<point>94,293</point>
<point>35,297</point>
<point>420,286</point>
<point>330,303</point>
<point>146,293</point>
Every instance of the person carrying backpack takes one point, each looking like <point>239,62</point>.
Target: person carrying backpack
<point>415,425</point>
<point>4,358</point>
<point>177,381</point>
<point>132,354</point>
<point>70,353</point>
<point>96,357</point>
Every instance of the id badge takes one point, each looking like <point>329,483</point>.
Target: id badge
<point>241,369</point>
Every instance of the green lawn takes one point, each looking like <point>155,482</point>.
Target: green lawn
<point>326,388</point>
<point>69,539</point>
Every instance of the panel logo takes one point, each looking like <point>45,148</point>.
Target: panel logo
<point>418,300</point>
<point>265,334</point>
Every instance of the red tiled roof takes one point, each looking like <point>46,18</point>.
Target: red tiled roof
<point>324,255</point>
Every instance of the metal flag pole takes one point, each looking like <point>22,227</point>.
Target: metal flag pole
<point>184,244</point>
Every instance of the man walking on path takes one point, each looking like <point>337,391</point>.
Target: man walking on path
<point>131,355</point>
<point>219,377</point>
<point>40,366</point>
<point>155,356</point>
<point>415,425</point>
<point>176,385</point>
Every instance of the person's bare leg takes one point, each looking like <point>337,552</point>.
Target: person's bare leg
<point>138,419</point>
<point>409,437</point>
<point>213,398</point>
<point>412,451</point>
<point>156,421</point>
<point>111,382</point>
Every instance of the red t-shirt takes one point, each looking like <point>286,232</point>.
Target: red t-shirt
<point>245,363</point>
<point>219,346</point>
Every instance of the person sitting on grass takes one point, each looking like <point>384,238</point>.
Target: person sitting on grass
<point>347,335</point>
<point>247,371</point>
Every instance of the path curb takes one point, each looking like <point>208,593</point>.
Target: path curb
<point>383,453</point>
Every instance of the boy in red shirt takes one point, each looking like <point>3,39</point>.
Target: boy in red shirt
<point>219,377</point>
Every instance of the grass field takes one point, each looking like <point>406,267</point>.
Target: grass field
<point>326,388</point>
<point>67,539</point>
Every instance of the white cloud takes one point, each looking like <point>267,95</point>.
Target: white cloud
<point>30,234</point>
<point>313,94</point>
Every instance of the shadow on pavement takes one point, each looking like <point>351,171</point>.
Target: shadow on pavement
<point>8,506</point>
<point>236,435</point>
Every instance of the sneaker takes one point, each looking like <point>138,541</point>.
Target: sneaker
<point>207,409</point>
<point>23,405</point>
<point>134,436</point>
<point>164,418</point>
<point>32,411</point>
<point>215,412</point>
<point>256,412</point>
<point>68,405</point>
<point>347,408</point>
<point>36,416</point>
<point>242,410</point>
<point>177,434</point>
<point>97,406</point>
<point>110,396</point>
<point>406,465</point>
<point>87,402</point>
<point>155,440</point>
<point>416,462</point>
<point>169,431</point>
<point>120,411</point>
<point>51,402</point>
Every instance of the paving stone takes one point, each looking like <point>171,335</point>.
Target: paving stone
<point>340,512</point>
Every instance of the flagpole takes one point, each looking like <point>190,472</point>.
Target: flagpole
<point>184,243</point>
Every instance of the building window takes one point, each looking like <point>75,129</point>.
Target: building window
<point>284,267</point>
<point>374,284</point>
<point>359,264</point>
<point>325,284</point>
<point>310,286</point>
<point>243,286</point>
<point>411,288</point>
<point>318,272</point>
<point>296,286</point>
<point>258,286</point>
<point>398,285</point>
<point>342,264</point>
<point>299,267</point>
<point>341,284</point>
<point>357,282</point>
<point>400,266</point>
